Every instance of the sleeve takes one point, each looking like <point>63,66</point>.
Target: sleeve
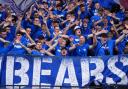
<point>9,47</point>
<point>113,42</point>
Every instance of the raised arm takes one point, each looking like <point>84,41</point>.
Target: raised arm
<point>53,46</point>
<point>97,33</point>
<point>114,28</point>
<point>4,41</point>
<point>45,21</point>
<point>70,25</point>
<point>94,40</point>
<point>19,24</point>
<point>31,8</point>
<point>63,22</point>
<point>125,32</point>
<point>77,4</point>
<point>72,47</point>
<point>24,47</point>
<point>49,53</point>
<point>113,16</point>
<point>47,30</point>
<point>29,37</point>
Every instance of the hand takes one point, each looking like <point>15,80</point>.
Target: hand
<point>60,40</point>
<point>48,43</point>
<point>77,22</point>
<point>6,24</point>
<point>7,42</point>
<point>42,6</point>
<point>125,32</point>
<point>68,19</point>
<point>79,3</point>
<point>9,18</point>
<point>28,16</point>
<point>50,8</point>
<point>51,15</point>
<point>111,21</point>
<point>23,31</point>
<point>93,31</point>
<point>42,50</point>
<point>110,14</point>
<point>32,6</point>
<point>17,41</point>
<point>104,31</point>
<point>40,13</point>
<point>126,25</point>
<point>77,44</point>
<point>20,18</point>
<point>79,12</point>
<point>113,14</point>
<point>39,25</point>
<point>66,7</point>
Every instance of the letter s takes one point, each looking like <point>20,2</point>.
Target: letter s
<point>111,65</point>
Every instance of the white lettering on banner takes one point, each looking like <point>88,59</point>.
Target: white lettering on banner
<point>111,65</point>
<point>47,60</point>
<point>36,71</point>
<point>85,72</point>
<point>66,64</point>
<point>124,80</point>
<point>46,72</point>
<point>99,69</point>
<point>0,65</point>
<point>9,70</point>
<point>22,72</point>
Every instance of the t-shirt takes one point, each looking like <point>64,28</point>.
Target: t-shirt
<point>105,49</point>
<point>58,50</point>
<point>34,31</point>
<point>82,50</point>
<point>17,49</point>
<point>121,45</point>
<point>35,52</point>
<point>3,15</point>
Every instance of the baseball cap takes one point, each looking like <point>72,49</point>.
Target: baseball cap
<point>77,27</point>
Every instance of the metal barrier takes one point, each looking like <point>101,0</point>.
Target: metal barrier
<point>60,87</point>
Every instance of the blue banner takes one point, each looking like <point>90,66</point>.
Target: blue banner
<point>63,71</point>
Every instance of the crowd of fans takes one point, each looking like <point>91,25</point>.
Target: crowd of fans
<point>65,28</point>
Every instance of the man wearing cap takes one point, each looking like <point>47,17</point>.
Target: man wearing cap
<point>78,33</point>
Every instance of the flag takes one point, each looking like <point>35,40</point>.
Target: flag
<point>123,3</point>
<point>20,6</point>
